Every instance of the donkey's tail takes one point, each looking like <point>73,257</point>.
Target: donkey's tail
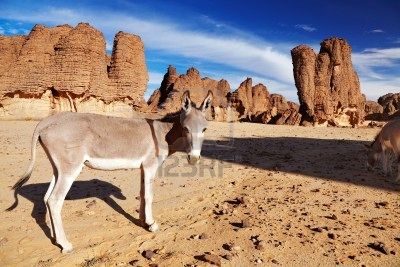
<point>24,178</point>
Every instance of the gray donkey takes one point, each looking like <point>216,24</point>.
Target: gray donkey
<point>72,140</point>
<point>386,143</point>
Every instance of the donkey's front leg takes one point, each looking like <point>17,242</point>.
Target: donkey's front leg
<point>385,162</point>
<point>148,171</point>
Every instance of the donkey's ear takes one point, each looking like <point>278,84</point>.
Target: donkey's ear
<point>207,101</point>
<point>186,102</point>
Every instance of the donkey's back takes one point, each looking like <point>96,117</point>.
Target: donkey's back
<point>389,137</point>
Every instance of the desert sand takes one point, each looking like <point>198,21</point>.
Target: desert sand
<point>262,195</point>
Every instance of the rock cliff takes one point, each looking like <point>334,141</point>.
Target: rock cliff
<point>327,84</point>
<point>67,69</point>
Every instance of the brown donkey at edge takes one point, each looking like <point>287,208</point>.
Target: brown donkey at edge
<point>72,140</point>
<point>387,142</point>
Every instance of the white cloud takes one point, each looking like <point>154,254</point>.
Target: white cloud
<point>261,58</point>
<point>1,30</point>
<point>13,31</point>
<point>377,31</point>
<point>109,46</point>
<point>371,58</point>
<point>373,83</point>
<point>305,27</point>
<point>155,78</point>
<point>266,62</point>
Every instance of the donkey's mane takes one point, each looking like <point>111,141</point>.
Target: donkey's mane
<point>175,116</point>
<point>171,117</point>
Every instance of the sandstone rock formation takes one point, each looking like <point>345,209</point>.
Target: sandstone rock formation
<point>327,84</point>
<point>168,97</point>
<point>255,104</point>
<point>373,110</point>
<point>387,108</point>
<point>66,68</point>
<point>247,103</point>
<point>391,104</point>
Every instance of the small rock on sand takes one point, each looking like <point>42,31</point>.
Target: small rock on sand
<point>212,259</point>
<point>148,254</point>
<point>246,223</point>
<point>379,246</point>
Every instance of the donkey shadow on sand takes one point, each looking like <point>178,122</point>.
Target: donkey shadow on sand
<point>327,159</point>
<point>80,190</point>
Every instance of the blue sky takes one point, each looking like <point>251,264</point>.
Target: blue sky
<point>234,39</point>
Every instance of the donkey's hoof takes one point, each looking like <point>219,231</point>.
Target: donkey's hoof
<point>154,227</point>
<point>68,248</point>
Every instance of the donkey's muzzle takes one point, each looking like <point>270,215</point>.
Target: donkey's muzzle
<point>193,159</point>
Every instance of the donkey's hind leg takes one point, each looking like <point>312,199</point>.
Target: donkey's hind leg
<point>46,198</point>
<point>66,176</point>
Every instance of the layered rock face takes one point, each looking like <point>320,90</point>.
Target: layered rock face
<point>327,84</point>
<point>67,69</point>
<point>168,97</point>
<point>255,104</point>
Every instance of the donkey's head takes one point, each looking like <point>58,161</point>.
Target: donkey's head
<point>373,154</point>
<point>194,124</point>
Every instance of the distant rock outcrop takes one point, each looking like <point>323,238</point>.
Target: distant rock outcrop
<point>391,104</point>
<point>168,97</point>
<point>373,110</point>
<point>67,69</point>
<point>327,84</point>
<point>255,104</point>
<point>247,103</point>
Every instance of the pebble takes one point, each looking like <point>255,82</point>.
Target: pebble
<point>246,223</point>
<point>203,236</point>
<point>379,246</point>
<point>228,257</point>
<point>331,235</point>
<point>134,263</point>
<point>212,259</point>
<point>195,237</point>
<point>317,229</point>
<point>261,246</point>
<point>381,204</point>
<point>236,248</point>
<point>148,254</point>
<point>332,217</point>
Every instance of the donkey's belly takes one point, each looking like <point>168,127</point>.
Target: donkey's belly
<point>113,164</point>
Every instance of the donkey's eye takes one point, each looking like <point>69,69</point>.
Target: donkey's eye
<point>204,130</point>
<point>185,130</point>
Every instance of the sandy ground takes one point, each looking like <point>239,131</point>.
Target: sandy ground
<point>262,195</point>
